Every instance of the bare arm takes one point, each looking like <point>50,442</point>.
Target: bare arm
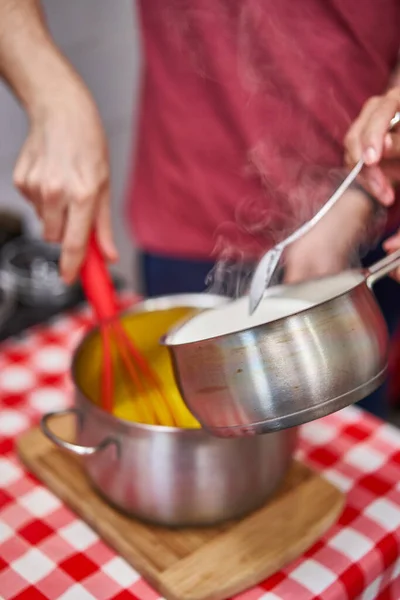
<point>29,60</point>
<point>63,168</point>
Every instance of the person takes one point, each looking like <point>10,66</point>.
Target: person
<point>63,167</point>
<point>243,113</point>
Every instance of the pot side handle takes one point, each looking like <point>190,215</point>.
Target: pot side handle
<point>381,268</point>
<point>76,449</point>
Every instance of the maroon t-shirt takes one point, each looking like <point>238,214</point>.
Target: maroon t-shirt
<point>245,104</point>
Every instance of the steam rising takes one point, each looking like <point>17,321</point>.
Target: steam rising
<point>268,225</point>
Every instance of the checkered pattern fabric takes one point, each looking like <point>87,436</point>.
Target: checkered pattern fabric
<point>46,552</point>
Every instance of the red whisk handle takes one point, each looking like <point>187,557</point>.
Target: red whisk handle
<point>97,283</point>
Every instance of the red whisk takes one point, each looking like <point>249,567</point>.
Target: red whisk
<point>99,290</point>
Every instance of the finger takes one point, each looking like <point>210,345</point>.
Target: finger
<point>33,189</point>
<point>104,228</point>
<point>20,173</point>
<point>373,133</point>
<point>391,170</point>
<point>395,274</point>
<point>391,148</point>
<point>53,199</point>
<point>27,176</point>
<point>392,244</point>
<point>374,180</point>
<point>387,144</point>
<point>25,160</point>
<point>352,141</point>
<point>80,217</point>
<point>54,218</point>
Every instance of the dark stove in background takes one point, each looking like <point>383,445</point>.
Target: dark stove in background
<point>31,292</point>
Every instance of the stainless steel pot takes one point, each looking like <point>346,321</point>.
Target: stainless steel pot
<point>292,370</point>
<point>172,476</point>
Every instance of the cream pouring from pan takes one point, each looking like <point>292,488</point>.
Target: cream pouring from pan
<point>327,353</point>
<point>266,267</point>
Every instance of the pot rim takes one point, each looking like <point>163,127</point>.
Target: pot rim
<point>201,300</point>
<point>228,336</point>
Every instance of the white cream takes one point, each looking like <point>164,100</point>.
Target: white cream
<point>279,302</point>
<point>234,316</point>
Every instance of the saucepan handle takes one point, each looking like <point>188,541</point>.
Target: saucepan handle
<point>382,267</point>
<point>70,446</point>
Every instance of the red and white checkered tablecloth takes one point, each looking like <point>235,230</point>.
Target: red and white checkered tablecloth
<point>46,552</point>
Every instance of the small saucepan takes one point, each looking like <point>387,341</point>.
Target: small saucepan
<point>297,368</point>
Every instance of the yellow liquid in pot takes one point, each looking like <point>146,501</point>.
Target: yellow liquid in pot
<point>145,330</point>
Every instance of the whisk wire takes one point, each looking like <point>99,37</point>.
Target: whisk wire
<point>100,292</point>
<point>107,375</point>
<point>147,372</point>
<point>148,409</point>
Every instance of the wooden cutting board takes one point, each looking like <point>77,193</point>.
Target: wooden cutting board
<point>194,564</point>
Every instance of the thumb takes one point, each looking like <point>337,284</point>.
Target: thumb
<point>391,147</point>
<point>104,228</point>
<point>393,243</point>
